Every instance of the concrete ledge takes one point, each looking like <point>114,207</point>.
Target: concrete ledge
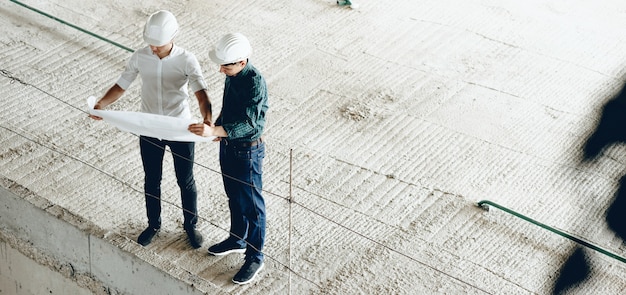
<point>103,262</point>
<point>21,275</point>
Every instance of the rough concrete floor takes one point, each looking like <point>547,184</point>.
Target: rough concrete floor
<point>397,118</point>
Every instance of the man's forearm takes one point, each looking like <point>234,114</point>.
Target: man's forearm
<point>204,103</point>
<point>113,94</point>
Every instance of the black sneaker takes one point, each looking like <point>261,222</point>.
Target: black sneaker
<point>146,236</point>
<point>248,271</point>
<point>195,238</point>
<point>226,247</point>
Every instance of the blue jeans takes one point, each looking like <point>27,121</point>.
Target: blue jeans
<point>242,171</point>
<point>152,151</point>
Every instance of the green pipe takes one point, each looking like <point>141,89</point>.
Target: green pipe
<point>73,26</point>
<point>483,204</point>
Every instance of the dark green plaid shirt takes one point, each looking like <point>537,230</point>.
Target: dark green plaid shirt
<point>244,105</point>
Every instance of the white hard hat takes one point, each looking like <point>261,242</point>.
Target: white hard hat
<point>231,48</point>
<point>160,29</point>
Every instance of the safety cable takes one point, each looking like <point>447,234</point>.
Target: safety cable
<point>14,79</point>
<point>290,214</point>
<point>483,203</point>
<point>289,199</point>
<point>149,195</point>
<point>288,267</point>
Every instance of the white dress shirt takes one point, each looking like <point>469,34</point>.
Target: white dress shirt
<point>165,82</point>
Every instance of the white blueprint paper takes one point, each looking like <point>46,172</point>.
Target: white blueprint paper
<point>157,126</point>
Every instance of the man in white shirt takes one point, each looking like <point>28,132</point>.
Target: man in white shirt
<point>167,71</point>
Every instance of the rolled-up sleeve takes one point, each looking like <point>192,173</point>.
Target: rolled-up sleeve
<point>194,72</point>
<point>130,72</point>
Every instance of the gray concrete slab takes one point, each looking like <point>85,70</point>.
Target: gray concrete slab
<point>401,115</point>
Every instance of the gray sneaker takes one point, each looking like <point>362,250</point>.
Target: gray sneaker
<point>248,271</point>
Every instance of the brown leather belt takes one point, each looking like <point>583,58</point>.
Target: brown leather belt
<point>242,144</point>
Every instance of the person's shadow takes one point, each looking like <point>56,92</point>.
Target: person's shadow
<point>610,130</point>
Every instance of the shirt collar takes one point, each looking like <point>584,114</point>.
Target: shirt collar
<point>174,52</point>
<point>244,71</point>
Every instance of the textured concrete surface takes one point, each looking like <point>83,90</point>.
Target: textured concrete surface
<point>396,118</point>
<point>61,253</point>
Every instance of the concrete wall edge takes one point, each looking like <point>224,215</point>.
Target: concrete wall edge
<point>102,261</point>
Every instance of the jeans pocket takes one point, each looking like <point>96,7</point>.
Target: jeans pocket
<point>243,155</point>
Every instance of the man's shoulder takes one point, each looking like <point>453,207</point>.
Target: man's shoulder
<point>253,72</point>
<point>180,51</point>
<point>143,50</point>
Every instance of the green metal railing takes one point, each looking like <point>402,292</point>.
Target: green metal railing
<point>485,205</point>
<point>73,26</point>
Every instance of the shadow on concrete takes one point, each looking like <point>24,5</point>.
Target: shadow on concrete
<point>610,130</point>
<point>575,270</point>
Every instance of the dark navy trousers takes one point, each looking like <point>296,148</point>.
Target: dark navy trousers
<point>152,151</point>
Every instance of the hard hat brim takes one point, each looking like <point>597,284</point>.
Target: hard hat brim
<point>155,42</point>
<point>213,56</point>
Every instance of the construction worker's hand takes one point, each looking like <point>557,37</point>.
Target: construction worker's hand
<point>96,107</point>
<point>201,129</point>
